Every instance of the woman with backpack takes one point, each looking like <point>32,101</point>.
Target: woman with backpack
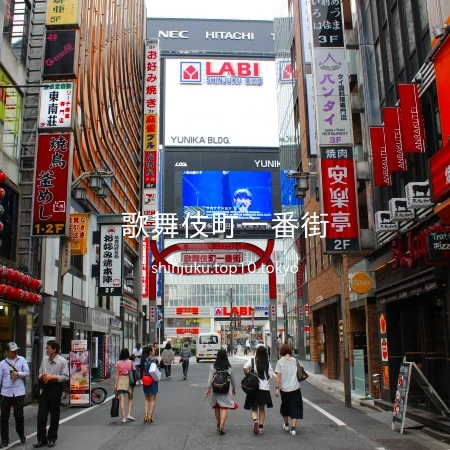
<point>150,391</point>
<point>221,389</point>
<point>257,401</point>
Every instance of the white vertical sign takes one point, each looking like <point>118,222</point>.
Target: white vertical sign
<point>55,109</point>
<point>111,257</point>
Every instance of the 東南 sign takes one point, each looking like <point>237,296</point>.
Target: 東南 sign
<point>440,174</point>
<point>339,199</point>
<point>111,260</point>
<point>52,185</point>
<point>78,233</point>
<point>62,12</point>
<point>59,59</point>
<point>55,109</point>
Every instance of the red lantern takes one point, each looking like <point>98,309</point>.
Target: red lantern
<point>2,290</point>
<point>2,193</point>
<point>3,177</point>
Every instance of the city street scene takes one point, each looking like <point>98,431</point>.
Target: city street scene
<point>225,225</point>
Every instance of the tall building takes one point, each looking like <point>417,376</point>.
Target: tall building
<point>220,154</point>
<point>72,158</point>
<point>393,302</point>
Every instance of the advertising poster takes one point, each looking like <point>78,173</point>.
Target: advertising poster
<point>401,396</point>
<point>80,374</point>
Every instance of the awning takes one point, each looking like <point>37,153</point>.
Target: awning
<point>324,303</point>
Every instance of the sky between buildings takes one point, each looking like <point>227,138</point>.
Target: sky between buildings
<point>211,9</point>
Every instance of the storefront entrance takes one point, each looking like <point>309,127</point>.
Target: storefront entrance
<point>418,330</point>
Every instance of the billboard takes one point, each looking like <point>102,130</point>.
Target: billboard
<point>220,103</point>
<point>241,184</point>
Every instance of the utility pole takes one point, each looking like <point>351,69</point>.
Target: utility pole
<point>231,320</point>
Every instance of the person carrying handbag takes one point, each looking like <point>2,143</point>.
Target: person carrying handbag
<point>168,356</point>
<point>122,385</point>
<point>151,391</point>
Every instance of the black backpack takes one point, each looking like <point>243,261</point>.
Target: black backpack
<point>250,383</point>
<point>221,382</point>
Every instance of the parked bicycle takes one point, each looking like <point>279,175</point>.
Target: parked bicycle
<point>98,396</point>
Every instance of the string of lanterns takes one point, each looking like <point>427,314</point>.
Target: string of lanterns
<point>11,276</point>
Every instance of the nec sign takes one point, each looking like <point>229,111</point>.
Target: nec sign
<point>172,34</point>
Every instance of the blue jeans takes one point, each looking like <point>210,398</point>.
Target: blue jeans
<point>185,368</point>
<point>138,372</point>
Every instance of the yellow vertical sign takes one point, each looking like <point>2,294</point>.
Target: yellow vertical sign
<point>78,233</point>
<point>62,12</point>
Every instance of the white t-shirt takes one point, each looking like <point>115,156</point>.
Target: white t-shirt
<point>288,370</point>
<point>263,383</point>
<point>138,354</point>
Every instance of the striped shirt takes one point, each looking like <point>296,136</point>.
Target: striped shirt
<point>58,366</point>
<point>185,353</point>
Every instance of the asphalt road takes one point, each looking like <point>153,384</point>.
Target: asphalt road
<point>184,420</point>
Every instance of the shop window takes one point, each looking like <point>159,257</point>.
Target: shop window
<point>8,237</point>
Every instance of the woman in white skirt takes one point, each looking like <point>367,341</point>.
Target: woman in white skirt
<point>257,402</point>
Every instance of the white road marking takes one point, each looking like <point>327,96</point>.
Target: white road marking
<point>67,419</point>
<point>326,414</point>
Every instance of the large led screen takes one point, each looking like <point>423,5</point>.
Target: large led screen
<point>220,103</point>
<point>238,194</point>
<point>244,185</point>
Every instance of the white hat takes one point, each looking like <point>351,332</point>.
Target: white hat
<point>12,347</point>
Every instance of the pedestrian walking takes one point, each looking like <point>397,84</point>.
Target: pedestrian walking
<point>185,355</point>
<point>268,344</point>
<point>122,386</point>
<point>257,402</point>
<point>13,372</point>
<point>287,383</point>
<point>137,358</point>
<point>167,356</point>
<point>150,391</point>
<point>247,347</point>
<point>221,403</point>
<point>54,371</point>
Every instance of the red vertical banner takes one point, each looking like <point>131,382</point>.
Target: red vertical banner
<point>339,199</point>
<point>381,174</point>
<point>412,123</point>
<point>441,68</point>
<point>393,139</point>
<point>52,185</point>
<point>440,174</point>
<point>145,250</point>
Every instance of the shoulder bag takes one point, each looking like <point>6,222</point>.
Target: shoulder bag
<point>114,412</point>
<point>301,372</point>
<point>132,376</point>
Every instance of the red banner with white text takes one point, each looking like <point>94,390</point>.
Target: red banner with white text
<point>381,174</point>
<point>393,139</point>
<point>412,122</point>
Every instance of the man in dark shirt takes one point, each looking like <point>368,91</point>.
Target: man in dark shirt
<point>54,371</point>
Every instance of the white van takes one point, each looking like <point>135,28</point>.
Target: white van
<point>208,344</point>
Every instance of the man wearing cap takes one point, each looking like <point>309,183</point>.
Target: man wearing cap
<point>13,372</point>
<point>53,372</point>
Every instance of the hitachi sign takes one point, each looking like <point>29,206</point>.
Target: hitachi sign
<point>240,69</point>
<point>173,34</point>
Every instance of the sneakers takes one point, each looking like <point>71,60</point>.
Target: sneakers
<point>261,431</point>
<point>293,432</point>
<point>255,427</point>
<point>131,418</point>
<point>286,427</point>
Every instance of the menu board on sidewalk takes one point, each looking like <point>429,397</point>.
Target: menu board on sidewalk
<point>401,395</point>
<point>80,374</point>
